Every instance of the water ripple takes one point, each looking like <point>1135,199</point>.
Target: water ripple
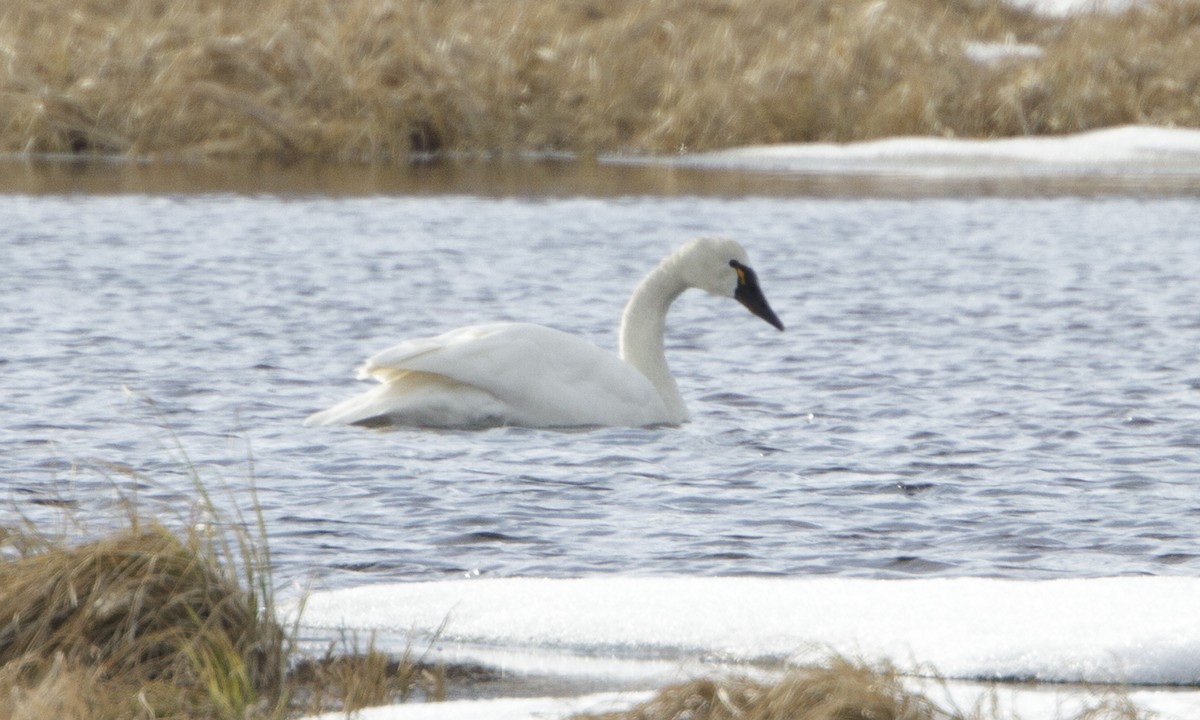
<point>970,386</point>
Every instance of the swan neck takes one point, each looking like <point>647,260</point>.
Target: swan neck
<point>642,327</point>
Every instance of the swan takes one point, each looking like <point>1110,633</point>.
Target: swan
<point>533,376</point>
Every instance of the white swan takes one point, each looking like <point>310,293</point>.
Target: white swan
<point>533,376</point>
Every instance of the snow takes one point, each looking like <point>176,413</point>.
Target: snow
<point>1129,149</point>
<point>1120,630</point>
<point>502,709</point>
<point>991,53</point>
<point>1062,8</point>
<point>1107,630</point>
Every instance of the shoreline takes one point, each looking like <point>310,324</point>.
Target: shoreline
<point>1129,161</point>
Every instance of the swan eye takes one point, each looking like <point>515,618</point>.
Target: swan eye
<point>740,270</point>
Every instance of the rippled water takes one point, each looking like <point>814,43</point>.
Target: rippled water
<point>967,386</point>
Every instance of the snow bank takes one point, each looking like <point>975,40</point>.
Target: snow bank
<point>1062,8</point>
<point>1106,630</point>
<point>1140,149</point>
<point>1137,629</point>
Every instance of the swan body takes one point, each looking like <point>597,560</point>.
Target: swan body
<point>534,376</point>
<point>501,374</point>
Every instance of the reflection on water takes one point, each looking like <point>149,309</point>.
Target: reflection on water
<point>996,386</point>
<point>556,177</point>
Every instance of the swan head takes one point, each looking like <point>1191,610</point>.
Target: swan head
<point>721,267</point>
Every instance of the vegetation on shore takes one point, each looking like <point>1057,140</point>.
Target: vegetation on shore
<point>150,623</point>
<point>841,690</point>
<point>141,621</point>
<point>380,80</point>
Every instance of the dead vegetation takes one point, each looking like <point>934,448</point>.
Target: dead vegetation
<point>140,623</point>
<point>348,678</point>
<point>839,690</point>
<point>380,80</point>
<point>146,623</point>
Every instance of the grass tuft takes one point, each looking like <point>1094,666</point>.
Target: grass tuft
<point>348,678</point>
<point>150,622</point>
<point>839,690</point>
<point>155,619</point>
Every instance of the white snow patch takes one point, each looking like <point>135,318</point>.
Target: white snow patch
<point>499,709</point>
<point>1134,148</point>
<point>1110,630</point>
<point>991,53</point>
<point>1063,8</point>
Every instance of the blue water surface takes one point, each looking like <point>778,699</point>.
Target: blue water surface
<point>985,386</point>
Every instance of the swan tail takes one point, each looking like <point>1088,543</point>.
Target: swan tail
<point>358,409</point>
<point>414,398</point>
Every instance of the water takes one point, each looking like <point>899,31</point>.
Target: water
<point>971,385</point>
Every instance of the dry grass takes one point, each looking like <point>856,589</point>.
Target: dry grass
<point>138,623</point>
<point>349,678</point>
<point>147,623</point>
<point>143,624</point>
<point>379,80</point>
<point>840,690</point>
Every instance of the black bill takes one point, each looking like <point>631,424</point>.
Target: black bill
<point>751,295</point>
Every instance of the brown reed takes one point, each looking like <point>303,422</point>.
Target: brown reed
<point>382,80</point>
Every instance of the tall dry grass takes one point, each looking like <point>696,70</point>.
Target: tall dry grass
<point>140,623</point>
<point>379,80</point>
<point>145,623</point>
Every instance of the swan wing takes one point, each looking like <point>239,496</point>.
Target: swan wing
<point>504,373</point>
